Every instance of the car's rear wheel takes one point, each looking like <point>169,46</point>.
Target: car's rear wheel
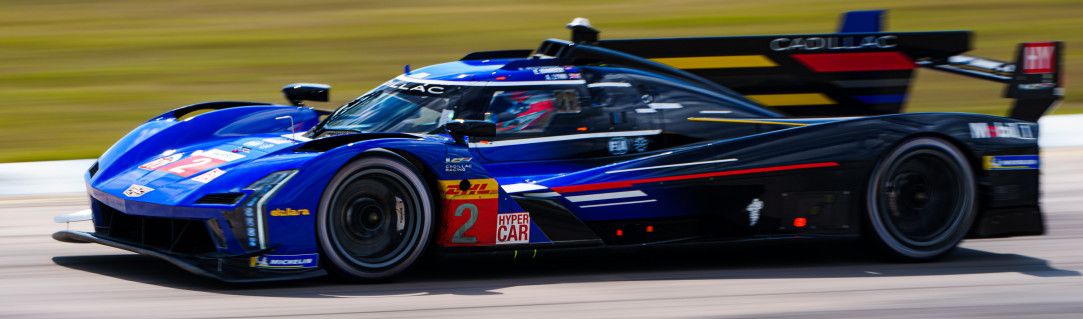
<point>920,200</point>
<point>375,219</point>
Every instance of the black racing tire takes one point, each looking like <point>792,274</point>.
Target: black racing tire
<point>375,219</point>
<point>920,200</point>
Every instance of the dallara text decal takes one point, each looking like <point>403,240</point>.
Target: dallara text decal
<point>289,212</point>
<point>1011,162</point>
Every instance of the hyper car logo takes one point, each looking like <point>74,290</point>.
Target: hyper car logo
<point>1011,162</point>
<point>1000,130</point>
<point>513,228</point>
<point>1038,58</point>
<point>137,190</point>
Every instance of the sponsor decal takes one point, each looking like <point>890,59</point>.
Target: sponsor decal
<point>289,212</point>
<point>545,69</point>
<point>285,261</point>
<point>208,176</point>
<point>200,161</point>
<point>513,228</point>
<point>1000,130</point>
<point>1038,58</point>
<point>241,149</point>
<point>558,76</point>
<point>137,190</point>
<point>1037,86</point>
<point>1011,162</point>
<point>835,43</point>
<point>219,155</point>
<point>457,164</point>
<point>260,144</point>
<point>754,211</point>
<point>417,87</point>
<point>478,189</point>
<point>618,146</point>
<point>640,144</point>
<point>155,164</point>
<point>470,209</point>
<point>400,214</point>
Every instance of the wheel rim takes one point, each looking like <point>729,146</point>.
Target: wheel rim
<point>374,219</point>
<point>921,198</point>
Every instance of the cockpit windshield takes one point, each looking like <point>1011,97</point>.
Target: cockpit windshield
<point>415,107</point>
<point>395,108</point>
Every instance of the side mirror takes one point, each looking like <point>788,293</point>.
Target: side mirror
<point>297,93</point>
<point>460,129</point>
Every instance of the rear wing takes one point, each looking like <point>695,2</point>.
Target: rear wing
<point>860,70</point>
<point>1034,79</point>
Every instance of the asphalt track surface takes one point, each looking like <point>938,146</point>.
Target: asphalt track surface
<point>1035,277</point>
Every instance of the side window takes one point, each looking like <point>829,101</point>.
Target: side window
<point>529,111</point>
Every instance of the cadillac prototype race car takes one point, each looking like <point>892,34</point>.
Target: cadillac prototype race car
<point>587,143</point>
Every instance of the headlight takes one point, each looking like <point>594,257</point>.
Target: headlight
<point>251,231</point>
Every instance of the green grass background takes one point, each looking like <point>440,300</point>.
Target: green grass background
<point>77,75</point>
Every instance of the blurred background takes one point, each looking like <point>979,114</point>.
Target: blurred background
<point>77,75</point>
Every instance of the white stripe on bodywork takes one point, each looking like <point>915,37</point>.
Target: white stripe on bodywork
<point>715,112</point>
<point>604,196</point>
<point>665,106</point>
<point>621,203</point>
<point>488,83</point>
<point>609,85</point>
<point>522,187</point>
<point>727,160</point>
<point>565,138</point>
<point>543,195</point>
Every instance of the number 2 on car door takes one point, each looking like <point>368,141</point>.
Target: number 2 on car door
<point>459,237</point>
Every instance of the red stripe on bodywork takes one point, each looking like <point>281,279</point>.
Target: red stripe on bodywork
<point>853,62</point>
<point>629,183</point>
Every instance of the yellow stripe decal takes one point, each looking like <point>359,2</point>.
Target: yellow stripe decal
<point>742,121</point>
<point>792,99</point>
<point>718,62</point>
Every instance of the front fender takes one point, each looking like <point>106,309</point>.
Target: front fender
<point>296,234</point>
<point>166,132</point>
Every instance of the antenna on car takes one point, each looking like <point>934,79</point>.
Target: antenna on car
<point>582,31</point>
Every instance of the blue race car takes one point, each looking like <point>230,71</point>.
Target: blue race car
<point>586,143</point>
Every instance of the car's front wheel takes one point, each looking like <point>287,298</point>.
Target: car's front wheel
<point>375,219</point>
<point>920,200</point>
